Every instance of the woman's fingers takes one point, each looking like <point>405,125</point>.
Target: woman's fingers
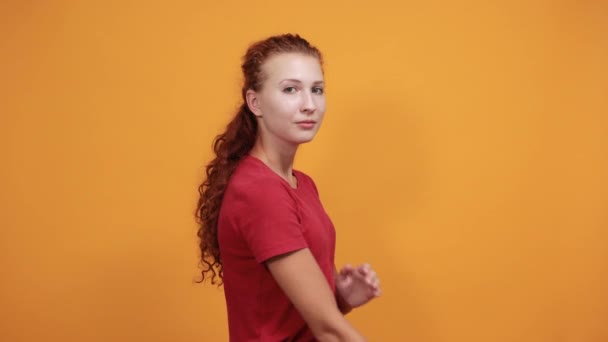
<point>347,269</point>
<point>364,273</point>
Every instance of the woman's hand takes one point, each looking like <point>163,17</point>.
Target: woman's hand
<point>357,285</point>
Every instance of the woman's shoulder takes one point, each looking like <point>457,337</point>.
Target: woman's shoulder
<point>251,175</point>
<point>252,178</point>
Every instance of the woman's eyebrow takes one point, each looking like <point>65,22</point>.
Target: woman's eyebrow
<point>293,80</point>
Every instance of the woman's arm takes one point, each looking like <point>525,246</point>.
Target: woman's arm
<point>300,277</point>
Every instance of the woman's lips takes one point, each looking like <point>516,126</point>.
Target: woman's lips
<point>307,124</point>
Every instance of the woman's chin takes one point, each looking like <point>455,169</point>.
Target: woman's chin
<point>304,139</point>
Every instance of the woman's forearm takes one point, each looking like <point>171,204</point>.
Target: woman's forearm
<point>339,331</point>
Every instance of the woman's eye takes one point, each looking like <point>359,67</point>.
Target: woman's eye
<point>289,90</point>
<point>317,90</point>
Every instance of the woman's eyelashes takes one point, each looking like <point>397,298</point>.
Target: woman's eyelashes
<point>315,90</point>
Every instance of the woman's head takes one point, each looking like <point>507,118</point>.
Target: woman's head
<point>290,102</point>
<point>283,100</point>
<point>284,89</point>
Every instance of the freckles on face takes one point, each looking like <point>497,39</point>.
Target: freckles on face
<point>292,98</point>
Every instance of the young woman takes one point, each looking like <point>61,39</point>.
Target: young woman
<point>263,229</point>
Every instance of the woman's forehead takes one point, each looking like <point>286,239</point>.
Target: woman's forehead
<point>292,66</point>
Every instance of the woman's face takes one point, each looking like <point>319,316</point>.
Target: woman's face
<point>291,102</point>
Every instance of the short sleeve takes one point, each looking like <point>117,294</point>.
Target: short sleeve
<point>269,220</point>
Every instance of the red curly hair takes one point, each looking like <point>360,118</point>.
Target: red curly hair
<point>230,146</point>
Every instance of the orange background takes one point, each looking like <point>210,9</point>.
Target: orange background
<point>464,154</point>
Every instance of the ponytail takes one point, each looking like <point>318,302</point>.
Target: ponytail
<point>229,147</point>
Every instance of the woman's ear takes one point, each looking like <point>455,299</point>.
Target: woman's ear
<point>253,102</point>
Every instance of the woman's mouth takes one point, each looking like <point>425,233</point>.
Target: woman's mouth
<point>306,124</point>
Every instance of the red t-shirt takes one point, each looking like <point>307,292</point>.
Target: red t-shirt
<point>262,216</point>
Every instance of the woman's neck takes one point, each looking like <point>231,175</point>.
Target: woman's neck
<point>280,160</point>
